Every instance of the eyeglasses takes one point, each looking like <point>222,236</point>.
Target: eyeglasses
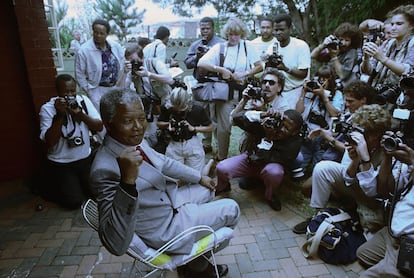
<point>271,82</point>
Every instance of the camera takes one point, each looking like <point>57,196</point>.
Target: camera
<point>272,122</point>
<point>179,128</point>
<point>256,93</point>
<point>334,44</point>
<point>317,119</point>
<point>407,81</point>
<point>338,84</point>
<point>136,65</point>
<point>274,59</point>
<point>75,141</point>
<point>203,47</point>
<point>349,130</point>
<point>178,84</point>
<point>374,34</point>
<point>391,143</point>
<point>312,85</point>
<point>386,94</point>
<point>71,102</point>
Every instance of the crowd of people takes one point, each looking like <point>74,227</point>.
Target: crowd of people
<point>346,131</point>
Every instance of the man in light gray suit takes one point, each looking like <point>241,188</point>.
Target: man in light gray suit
<point>133,190</point>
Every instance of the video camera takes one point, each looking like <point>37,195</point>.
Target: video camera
<point>71,102</point>
<point>335,43</point>
<point>275,58</point>
<point>374,34</point>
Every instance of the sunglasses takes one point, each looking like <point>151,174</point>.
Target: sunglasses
<point>271,82</point>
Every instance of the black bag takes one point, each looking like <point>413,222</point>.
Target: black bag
<point>334,235</point>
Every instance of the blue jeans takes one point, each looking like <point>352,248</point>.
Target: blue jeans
<point>311,152</point>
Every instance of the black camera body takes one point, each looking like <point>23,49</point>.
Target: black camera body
<point>136,65</point>
<point>178,83</point>
<point>387,93</point>
<point>272,122</point>
<point>317,119</point>
<point>374,34</point>
<point>334,44</point>
<point>391,143</point>
<point>75,141</point>
<point>203,47</point>
<point>312,85</point>
<point>275,59</point>
<point>407,81</point>
<point>71,102</point>
<point>256,93</point>
<point>179,128</point>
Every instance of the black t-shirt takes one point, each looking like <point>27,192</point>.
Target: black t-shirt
<point>197,116</point>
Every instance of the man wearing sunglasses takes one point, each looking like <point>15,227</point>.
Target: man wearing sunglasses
<point>272,139</point>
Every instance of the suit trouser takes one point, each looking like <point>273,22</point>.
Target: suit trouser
<point>380,253</point>
<point>209,107</point>
<point>96,94</point>
<point>292,96</point>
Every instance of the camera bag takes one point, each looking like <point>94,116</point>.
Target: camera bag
<point>334,235</point>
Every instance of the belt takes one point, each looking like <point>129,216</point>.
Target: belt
<point>107,84</point>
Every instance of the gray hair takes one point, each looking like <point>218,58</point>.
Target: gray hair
<point>236,26</point>
<point>179,99</point>
<point>113,98</point>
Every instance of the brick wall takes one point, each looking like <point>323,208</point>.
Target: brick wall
<point>27,81</point>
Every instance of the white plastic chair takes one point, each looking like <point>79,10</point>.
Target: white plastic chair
<point>159,260</point>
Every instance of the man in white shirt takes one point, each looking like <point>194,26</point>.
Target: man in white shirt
<point>296,58</point>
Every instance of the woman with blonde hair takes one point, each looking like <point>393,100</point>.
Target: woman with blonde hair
<point>233,62</point>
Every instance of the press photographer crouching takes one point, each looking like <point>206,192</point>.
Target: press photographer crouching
<point>321,99</point>
<point>183,119</point>
<point>277,145</point>
<point>65,125</point>
<point>389,252</point>
<point>353,180</point>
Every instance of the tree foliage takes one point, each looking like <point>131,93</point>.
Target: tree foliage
<point>312,19</point>
<point>120,14</point>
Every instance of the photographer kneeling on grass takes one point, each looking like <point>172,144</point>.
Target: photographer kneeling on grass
<point>355,177</point>
<point>276,147</point>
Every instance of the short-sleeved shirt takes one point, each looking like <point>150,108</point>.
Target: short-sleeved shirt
<point>296,55</point>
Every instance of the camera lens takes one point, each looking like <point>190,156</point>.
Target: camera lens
<point>391,144</point>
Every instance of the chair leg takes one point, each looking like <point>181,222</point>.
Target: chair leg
<point>213,257</point>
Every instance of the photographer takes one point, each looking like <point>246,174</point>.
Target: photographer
<point>195,52</point>
<point>396,59</point>
<point>151,80</point>
<point>276,147</point>
<point>234,61</point>
<point>293,58</point>
<point>319,102</point>
<point>355,176</point>
<point>65,123</point>
<point>184,120</point>
<point>385,253</point>
<point>340,51</point>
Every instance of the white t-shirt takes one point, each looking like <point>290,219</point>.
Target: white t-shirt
<point>61,152</point>
<point>296,55</point>
<point>235,58</point>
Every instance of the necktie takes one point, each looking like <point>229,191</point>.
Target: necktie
<point>144,156</point>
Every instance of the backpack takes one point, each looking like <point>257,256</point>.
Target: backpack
<point>334,235</point>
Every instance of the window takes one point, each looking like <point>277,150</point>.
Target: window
<point>54,34</point>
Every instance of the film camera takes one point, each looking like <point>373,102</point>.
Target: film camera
<point>386,93</point>
<point>273,122</point>
<point>75,141</point>
<point>255,90</point>
<point>71,102</point>
<point>275,58</point>
<point>312,84</point>
<point>317,119</point>
<point>407,81</point>
<point>374,34</point>
<point>179,128</point>
<point>391,143</point>
<point>346,129</point>
<point>203,47</point>
<point>136,65</point>
<point>335,43</point>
